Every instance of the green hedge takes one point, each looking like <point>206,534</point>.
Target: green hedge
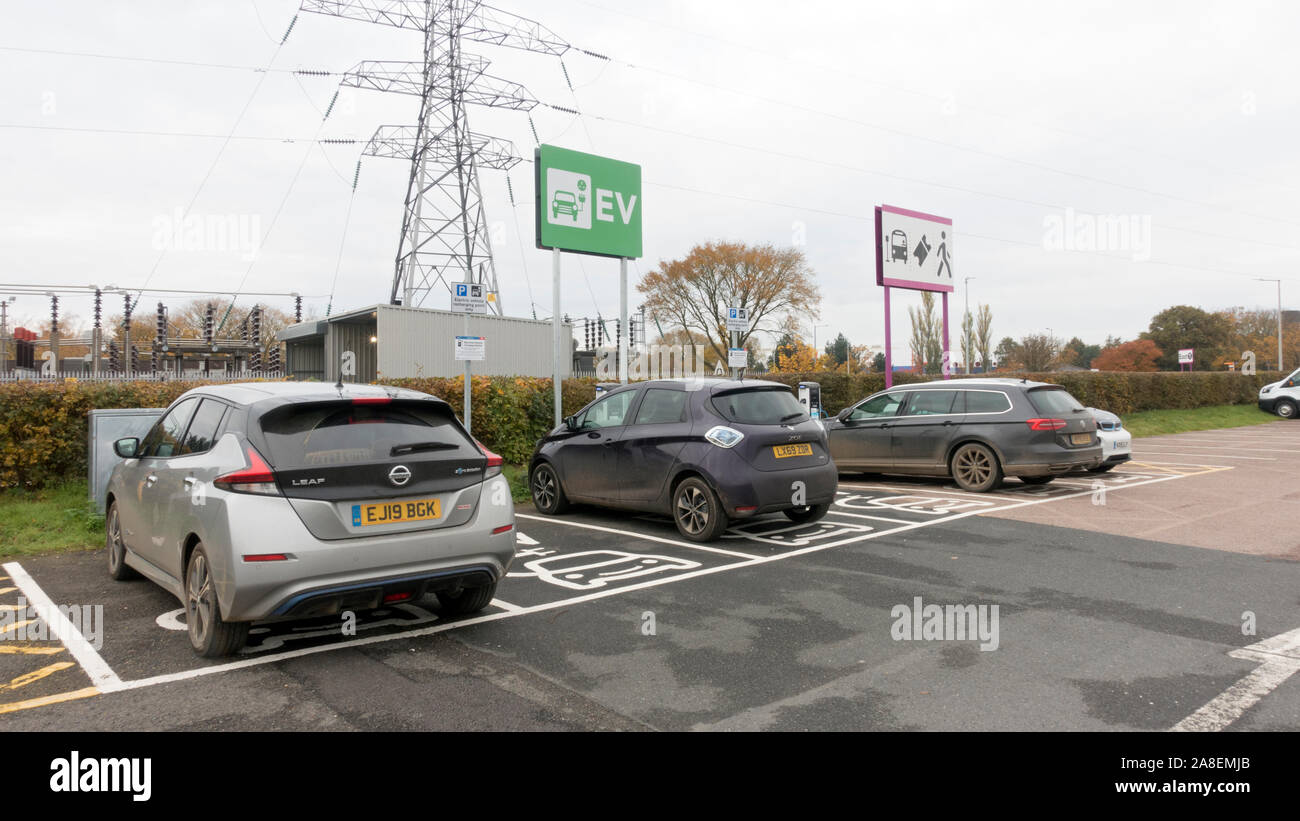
<point>43,425</point>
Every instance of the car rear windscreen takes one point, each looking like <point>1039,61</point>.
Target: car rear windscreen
<point>341,433</point>
<point>1054,400</point>
<point>760,406</point>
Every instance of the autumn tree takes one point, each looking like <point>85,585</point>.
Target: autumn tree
<point>1037,352</point>
<point>695,292</point>
<point>1008,354</point>
<point>984,335</point>
<point>926,341</point>
<point>1184,326</point>
<point>1138,355</point>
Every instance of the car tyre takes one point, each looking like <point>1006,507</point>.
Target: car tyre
<point>807,514</point>
<point>1286,409</point>
<point>976,468</point>
<point>211,636</point>
<point>116,546</point>
<point>697,512</point>
<point>548,494</point>
<point>1036,480</point>
<point>466,600</point>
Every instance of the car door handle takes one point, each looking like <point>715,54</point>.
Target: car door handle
<point>593,435</point>
<point>947,422</point>
<point>150,479</point>
<point>189,481</point>
<point>882,427</point>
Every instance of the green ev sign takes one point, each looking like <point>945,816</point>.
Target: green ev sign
<point>587,204</point>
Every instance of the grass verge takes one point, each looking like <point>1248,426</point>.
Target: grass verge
<point>1160,422</point>
<point>517,476</point>
<point>51,520</point>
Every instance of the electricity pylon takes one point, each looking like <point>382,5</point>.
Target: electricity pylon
<point>444,230</point>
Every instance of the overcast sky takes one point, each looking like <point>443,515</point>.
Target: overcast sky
<point>753,121</point>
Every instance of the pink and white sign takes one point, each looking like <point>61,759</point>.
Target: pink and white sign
<point>913,250</point>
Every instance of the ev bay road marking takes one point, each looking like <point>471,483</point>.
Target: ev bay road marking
<point>101,675</point>
<point>1279,659</point>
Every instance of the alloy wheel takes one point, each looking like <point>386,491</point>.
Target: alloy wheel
<point>199,604</point>
<point>544,488</point>
<point>974,466</point>
<point>693,510</point>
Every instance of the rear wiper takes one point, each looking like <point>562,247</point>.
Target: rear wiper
<point>791,416</point>
<point>418,446</point>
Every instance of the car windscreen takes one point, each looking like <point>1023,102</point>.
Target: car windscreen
<point>760,406</point>
<point>1054,400</point>
<point>341,433</point>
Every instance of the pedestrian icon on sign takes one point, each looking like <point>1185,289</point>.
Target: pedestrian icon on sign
<point>942,255</point>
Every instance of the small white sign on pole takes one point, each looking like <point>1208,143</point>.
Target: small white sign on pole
<point>737,357</point>
<point>737,319</point>
<point>1186,356</point>
<point>469,298</point>
<point>471,348</point>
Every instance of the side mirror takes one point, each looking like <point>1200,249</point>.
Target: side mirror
<point>843,415</point>
<point>126,448</point>
<point>570,423</point>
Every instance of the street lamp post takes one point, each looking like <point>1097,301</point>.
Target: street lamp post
<point>1279,319</point>
<point>969,323</point>
<point>815,327</point>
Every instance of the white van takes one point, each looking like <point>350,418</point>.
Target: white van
<point>1282,398</point>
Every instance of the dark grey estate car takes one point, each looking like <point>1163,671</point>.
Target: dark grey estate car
<point>975,430</point>
<point>702,451</point>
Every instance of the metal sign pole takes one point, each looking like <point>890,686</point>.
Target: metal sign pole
<point>622,316</point>
<point>889,348</point>
<point>468,426</point>
<point>946,365</point>
<point>557,328</point>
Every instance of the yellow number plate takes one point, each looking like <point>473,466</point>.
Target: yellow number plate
<point>1080,438</point>
<point>389,513</point>
<point>801,449</point>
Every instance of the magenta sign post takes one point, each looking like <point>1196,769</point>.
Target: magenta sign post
<point>913,251</point>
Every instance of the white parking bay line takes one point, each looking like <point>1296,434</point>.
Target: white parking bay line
<point>922,490</point>
<point>272,658</point>
<point>1137,453</point>
<point>101,675</point>
<point>633,534</point>
<point>1279,659</point>
<point>506,606</point>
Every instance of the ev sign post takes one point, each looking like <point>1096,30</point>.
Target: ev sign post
<point>737,323</point>
<point>468,298</point>
<point>913,251</point>
<point>586,204</point>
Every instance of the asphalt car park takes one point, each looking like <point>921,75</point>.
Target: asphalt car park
<point>612,620</point>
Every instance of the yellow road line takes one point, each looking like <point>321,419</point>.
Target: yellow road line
<point>4,590</point>
<point>36,675</point>
<point>11,628</point>
<point>13,606</point>
<point>15,706</point>
<point>12,649</point>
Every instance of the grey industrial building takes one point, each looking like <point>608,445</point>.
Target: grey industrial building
<point>391,341</point>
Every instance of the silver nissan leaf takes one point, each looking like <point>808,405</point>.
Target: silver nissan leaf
<point>270,501</point>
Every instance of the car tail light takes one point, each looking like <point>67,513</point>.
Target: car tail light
<point>266,557</point>
<point>372,400</point>
<point>502,529</point>
<point>747,508</point>
<point>256,478</point>
<point>1045,424</point>
<point>396,597</point>
<point>494,462</point>
<point>723,436</point>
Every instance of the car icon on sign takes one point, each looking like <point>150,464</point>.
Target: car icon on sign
<point>564,203</point>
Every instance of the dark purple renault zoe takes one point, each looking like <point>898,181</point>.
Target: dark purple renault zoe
<point>703,451</point>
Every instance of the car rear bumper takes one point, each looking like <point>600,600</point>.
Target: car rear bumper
<point>1051,461</point>
<point>767,491</point>
<point>323,577</point>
